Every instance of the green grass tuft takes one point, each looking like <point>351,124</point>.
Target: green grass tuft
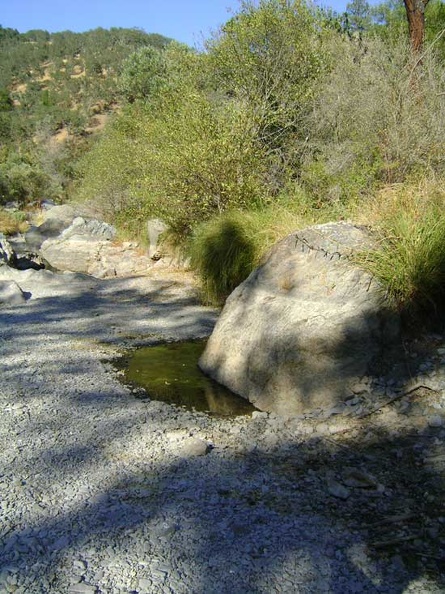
<point>12,222</point>
<point>226,249</point>
<point>223,254</point>
<point>410,263</point>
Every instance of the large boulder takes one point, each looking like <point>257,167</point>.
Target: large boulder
<point>305,326</point>
<point>77,248</point>
<point>57,219</point>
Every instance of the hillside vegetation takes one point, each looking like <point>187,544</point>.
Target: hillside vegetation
<point>290,115</point>
<point>56,90</point>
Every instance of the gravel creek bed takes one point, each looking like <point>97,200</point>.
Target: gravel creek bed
<point>105,493</point>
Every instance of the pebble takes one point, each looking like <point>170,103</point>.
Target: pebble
<point>337,490</point>
<point>194,447</point>
<point>144,585</point>
<point>82,588</point>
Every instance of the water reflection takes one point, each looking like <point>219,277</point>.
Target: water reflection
<point>170,372</point>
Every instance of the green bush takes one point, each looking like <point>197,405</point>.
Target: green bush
<point>198,162</point>
<point>226,249</point>
<point>111,168</point>
<point>223,254</point>
<point>143,74</point>
<point>410,261</point>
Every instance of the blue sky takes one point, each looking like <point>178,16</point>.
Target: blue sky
<point>188,21</point>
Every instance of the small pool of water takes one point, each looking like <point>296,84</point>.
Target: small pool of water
<point>170,372</point>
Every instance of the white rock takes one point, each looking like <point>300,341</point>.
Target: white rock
<point>303,325</point>
<point>194,446</point>
<point>11,293</point>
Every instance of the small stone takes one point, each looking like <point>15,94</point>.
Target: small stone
<point>337,490</point>
<point>432,532</point>
<point>353,477</point>
<point>165,529</point>
<point>360,388</point>
<point>145,585</point>
<point>194,447</point>
<point>336,410</point>
<point>258,414</point>
<point>61,543</point>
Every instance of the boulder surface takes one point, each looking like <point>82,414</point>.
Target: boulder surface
<point>77,248</point>
<point>305,326</point>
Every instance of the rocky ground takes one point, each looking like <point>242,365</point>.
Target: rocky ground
<point>102,492</point>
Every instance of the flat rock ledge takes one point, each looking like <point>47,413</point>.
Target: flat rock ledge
<point>305,326</point>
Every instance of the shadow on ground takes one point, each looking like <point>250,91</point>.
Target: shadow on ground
<point>247,519</point>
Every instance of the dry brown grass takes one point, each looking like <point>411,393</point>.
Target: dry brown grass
<point>411,199</point>
<point>12,222</point>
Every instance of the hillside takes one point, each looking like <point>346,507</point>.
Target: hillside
<point>56,90</point>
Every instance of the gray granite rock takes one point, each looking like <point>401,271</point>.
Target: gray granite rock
<point>11,293</point>
<point>304,326</point>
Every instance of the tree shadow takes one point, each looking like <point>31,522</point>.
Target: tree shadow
<point>247,519</point>
<point>109,311</point>
<point>224,254</point>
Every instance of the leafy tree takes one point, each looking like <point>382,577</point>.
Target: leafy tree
<point>7,34</point>
<point>36,35</point>
<point>395,17</point>
<point>390,19</point>
<point>359,15</point>
<point>435,25</point>
<point>269,57</point>
<point>143,74</point>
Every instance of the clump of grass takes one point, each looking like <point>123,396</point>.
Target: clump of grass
<point>12,222</point>
<point>410,262</point>
<point>226,249</point>
<point>223,254</point>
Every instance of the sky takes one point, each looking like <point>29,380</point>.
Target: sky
<point>189,21</point>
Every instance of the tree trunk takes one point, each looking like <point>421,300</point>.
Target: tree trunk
<point>415,12</point>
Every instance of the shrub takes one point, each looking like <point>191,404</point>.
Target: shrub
<point>226,249</point>
<point>223,253</point>
<point>197,161</point>
<point>12,222</point>
<point>410,261</point>
<point>378,118</point>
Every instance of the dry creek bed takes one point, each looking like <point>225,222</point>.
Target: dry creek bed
<point>104,493</point>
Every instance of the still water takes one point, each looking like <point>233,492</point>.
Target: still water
<point>170,372</point>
